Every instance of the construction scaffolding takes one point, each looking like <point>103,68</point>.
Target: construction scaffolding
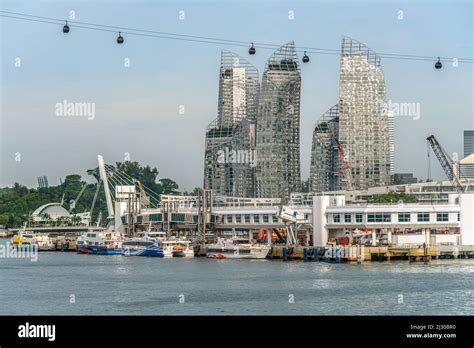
<point>278,126</point>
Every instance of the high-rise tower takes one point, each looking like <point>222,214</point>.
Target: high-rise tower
<point>363,121</point>
<point>278,126</point>
<point>353,141</point>
<point>230,139</point>
<point>324,155</point>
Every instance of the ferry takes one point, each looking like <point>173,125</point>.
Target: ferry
<point>142,246</point>
<point>100,243</point>
<point>235,248</point>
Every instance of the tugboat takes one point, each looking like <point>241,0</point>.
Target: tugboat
<point>235,248</point>
<point>100,243</point>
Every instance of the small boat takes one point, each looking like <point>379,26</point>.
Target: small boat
<point>141,247</point>
<point>25,241</point>
<point>65,242</point>
<point>235,248</point>
<point>44,242</point>
<point>100,243</point>
<point>177,248</point>
<point>3,232</point>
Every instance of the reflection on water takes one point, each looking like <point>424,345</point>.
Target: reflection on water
<point>138,285</point>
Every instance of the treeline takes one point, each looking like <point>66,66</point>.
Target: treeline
<point>18,202</point>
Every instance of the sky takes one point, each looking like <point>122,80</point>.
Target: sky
<point>139,108</point>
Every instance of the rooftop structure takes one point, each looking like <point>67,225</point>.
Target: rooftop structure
<point>433,191</point>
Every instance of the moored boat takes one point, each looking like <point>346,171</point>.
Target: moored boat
<point>3,232</point>
<point>25,240</point>
<point>177,248</point>
<point>100,243</point>
<point>141,247</point>
<point>234,248</point>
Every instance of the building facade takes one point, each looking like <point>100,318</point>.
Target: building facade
<point>352,145</point>
<point>323,174</point>
<point>229,160</point>
<point>278,126</point>
<point>468,142</point>
<point>417,223</point>
<point>404,179</point>
<point>363,119</point>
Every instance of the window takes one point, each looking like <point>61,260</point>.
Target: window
<point>423,217</point>
<point>378,217</point>
<point>275,219</point>
<point>247,219</point>
<point>404,217</point>
<point>238,219</point>
<point>337,218</point>
<point>256,219</point>
<point>229,219</point>
<point>265,219</point>
<point>359,218</point>
<point>347,218</point>
<point>442,217</point>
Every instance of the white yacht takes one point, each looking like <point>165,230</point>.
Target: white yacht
<point>237,248</point>
<point>177,248</point>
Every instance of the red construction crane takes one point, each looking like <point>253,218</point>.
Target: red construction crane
<point>344,167</point>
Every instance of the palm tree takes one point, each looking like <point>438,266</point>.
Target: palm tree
<point>45,218</point>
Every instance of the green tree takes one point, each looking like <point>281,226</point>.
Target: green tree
<point>393,197</point>
<point>167,186</point>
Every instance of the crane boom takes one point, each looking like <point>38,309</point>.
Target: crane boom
<point>146,200</point>
<point>445,161</point>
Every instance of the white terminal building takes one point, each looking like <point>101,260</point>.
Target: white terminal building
<point>450,223</point>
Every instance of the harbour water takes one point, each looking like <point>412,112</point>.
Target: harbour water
<point>72,284</point>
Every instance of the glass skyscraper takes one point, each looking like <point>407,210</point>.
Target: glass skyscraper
<point>359,125</point>
<point>229,166</point>
<point>363,120</point>
<point>323,174</point>
<point>278,126</point>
